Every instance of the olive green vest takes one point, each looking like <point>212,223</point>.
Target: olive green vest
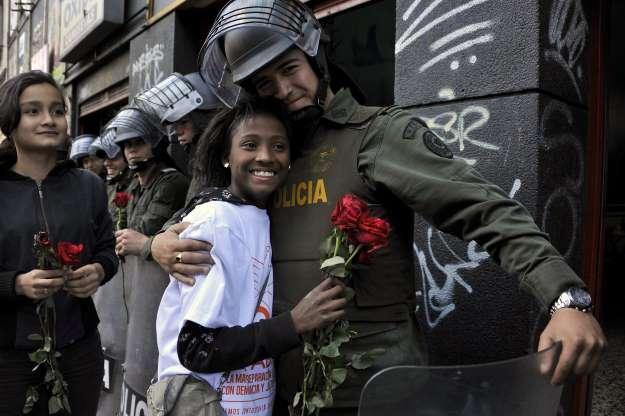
<point>300,221</point>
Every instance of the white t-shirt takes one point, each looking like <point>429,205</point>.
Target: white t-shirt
<point>226,297</point>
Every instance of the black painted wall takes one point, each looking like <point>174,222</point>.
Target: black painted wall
<point>504,84</point>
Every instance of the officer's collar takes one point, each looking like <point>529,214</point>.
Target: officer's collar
<point>341,108</point>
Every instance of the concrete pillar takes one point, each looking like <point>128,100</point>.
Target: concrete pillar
<point>504,84</point>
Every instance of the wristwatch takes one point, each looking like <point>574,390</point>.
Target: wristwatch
<point>575,297</point>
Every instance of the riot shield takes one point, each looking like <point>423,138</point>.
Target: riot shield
<point>513,387</point>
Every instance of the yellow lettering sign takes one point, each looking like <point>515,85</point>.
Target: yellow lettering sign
<point>301,194</point>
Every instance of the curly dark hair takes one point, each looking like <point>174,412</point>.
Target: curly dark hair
<point>214,143</point>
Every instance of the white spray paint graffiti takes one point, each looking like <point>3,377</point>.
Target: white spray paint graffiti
<point>570,191</point>
<point>567,35</point>
<point>439,301</point>
<point>414,32</point>
<point>454,127</point>
<point>148,66</point>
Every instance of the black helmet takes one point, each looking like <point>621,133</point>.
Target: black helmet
<point>249,34</point>
<point>176,96</point>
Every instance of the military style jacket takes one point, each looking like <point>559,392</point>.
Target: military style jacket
<point>152,205</point>
<point>390,159</point>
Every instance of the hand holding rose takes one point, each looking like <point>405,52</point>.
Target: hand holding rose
<point>85,281</point>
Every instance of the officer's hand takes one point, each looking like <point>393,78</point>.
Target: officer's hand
<point>129,242</point>
<point>320,307</point>
<point>582,343</point>
<point>182,259</point>
<point>85,281</point>
<point>39,284</point>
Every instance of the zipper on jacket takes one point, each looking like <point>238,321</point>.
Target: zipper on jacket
<point>43,211</point>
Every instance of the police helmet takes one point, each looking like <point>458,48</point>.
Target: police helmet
<point>80,146</point>
<point>249,34</point>
<point>176,96</point>
<point>131,123</point>
<point>104,147</point>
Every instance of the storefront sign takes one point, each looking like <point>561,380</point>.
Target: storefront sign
<point>85,22</point>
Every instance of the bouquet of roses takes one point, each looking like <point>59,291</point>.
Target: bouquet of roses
<point>121,201</point>
<point>355,237</point>
<point>64,256</point>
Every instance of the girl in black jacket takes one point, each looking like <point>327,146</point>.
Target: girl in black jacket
<point>70,204</point>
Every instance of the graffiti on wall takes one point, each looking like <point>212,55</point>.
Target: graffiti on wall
<point>568,30</point>
<point>146,69</point>
<point>453,46</point>
<point>441,281</point>
<point>456,129</point>
<point>562,208</point>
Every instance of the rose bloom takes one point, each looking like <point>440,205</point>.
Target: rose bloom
<point>348,211</point>
<point>121,199</point>
<point>68,254</point>
<point>372,233</point>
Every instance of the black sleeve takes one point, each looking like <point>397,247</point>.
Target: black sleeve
<point>211,350</point>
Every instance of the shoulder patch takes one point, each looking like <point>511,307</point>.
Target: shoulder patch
<point>436,145</point>
<point>410,131</point>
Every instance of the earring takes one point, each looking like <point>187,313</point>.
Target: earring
<point>227,165</point>
<point>289,166</point>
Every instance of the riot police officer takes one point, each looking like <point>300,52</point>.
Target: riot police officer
<point>157,190</point>
<point>80,153</point>
<point>184,104</point>
<point>118,175</point>
<point>391,160</point>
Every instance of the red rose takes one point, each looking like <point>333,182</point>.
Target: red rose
<point>41,239</point>
<point>348,211</point>
<point>68,254</point>
<point>121,199</point>
<point>372,233</point>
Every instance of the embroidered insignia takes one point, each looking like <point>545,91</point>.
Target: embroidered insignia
<point>410,132</point>
<point>436,145</point>
<point>322,161</point>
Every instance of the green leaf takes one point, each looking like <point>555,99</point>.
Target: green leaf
<point>332,262</point>
<point>331,350</point>
<point>297,398</point>
<point>317,401</point>
<point>32,396</point>
<point>309,350</point>
<point>49,376</point>
<point>338,375</point>
<point>38,356</point>
<point>35,337</point>
<point>365,359</point>
<point>361,361</point>
<point>55,405</point>
<point>327,247</point>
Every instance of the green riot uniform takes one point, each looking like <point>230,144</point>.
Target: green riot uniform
<point>392,161</point>
<point>119,183</point>
<point>152,205</point>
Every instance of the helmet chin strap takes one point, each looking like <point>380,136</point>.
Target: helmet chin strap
<point>142,165</point>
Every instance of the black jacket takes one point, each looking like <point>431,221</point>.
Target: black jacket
<point>75,205</point>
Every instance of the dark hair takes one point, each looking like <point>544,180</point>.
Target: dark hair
<point>10,112</point>
<point>214,143</point>
<point>10,93</point>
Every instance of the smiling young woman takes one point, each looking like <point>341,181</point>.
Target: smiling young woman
<point>40,194</point>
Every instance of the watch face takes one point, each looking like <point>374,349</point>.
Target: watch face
<point>580,297</point>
